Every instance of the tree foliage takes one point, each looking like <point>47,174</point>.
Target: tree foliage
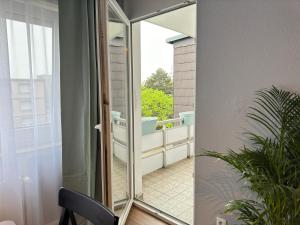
<point>270,163</point>
<point>156,103</point>
<point>160,80</point>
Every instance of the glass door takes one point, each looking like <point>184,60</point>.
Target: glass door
<point>115,107</point>
<point>118,64</point>
<point>158,175</point>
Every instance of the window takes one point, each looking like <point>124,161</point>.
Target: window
<point>30,66</point>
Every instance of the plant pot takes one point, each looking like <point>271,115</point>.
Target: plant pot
<point>115,115</point>
<point>188,118</point>
<point>148,125</point>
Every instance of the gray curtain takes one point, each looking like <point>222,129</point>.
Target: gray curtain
<point>79,97</point>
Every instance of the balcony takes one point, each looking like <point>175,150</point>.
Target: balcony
<point>166,165</point>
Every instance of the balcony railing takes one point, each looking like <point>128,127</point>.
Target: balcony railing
<point>160,148</point>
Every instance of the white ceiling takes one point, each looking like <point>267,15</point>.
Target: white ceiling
<point>182,20</point>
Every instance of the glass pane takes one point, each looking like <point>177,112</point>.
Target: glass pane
<point>17,37</point>
<point>30,64</point>
<point>118,67</point>
<point>41,45</point>
<point>166,69</point>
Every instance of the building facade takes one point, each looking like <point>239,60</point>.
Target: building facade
<point>184,73</point>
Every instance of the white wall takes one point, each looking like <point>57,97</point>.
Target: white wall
<point>243,46</point>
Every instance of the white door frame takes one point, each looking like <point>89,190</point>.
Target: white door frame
<point>102,7</point>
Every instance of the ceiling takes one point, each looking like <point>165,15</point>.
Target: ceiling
<point>182,20</point>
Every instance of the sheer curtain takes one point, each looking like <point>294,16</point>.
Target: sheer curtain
<point>30,134</point>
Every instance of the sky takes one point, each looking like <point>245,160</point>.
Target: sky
<point>155,52</point>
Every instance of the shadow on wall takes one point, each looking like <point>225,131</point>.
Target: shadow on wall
<point>220,187</point>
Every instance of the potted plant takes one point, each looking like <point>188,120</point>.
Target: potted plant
<point>270,163</point>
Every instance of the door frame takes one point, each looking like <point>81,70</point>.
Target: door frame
<point>104,100</point>
<point>102,7</point>
<point>136,117</point>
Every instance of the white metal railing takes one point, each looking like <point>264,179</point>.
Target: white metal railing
<point>120,121</point>
<point>159,149</point>
<point>175,122</point>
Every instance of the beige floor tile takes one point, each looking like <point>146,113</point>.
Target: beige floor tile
<point>175,183</point>
<point>168,189</point>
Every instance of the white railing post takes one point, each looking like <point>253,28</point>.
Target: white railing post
<point>164,146</point>
<point>189,141</point>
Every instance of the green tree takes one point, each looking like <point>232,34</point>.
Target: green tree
<point>160,80</point>
<point>156,103</point>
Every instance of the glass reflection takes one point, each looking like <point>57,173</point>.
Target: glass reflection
<point>118,69</point>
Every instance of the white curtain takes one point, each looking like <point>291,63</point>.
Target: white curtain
<point>30,134</point>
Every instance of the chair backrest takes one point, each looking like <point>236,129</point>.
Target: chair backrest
<point>74,202</point>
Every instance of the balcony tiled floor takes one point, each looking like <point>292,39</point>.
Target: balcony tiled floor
<point>169,189</point>
<point>119,178</point>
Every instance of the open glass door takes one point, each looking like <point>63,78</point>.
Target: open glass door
<point>119,77</point>
<point>115,103</point>
<point>158,175</point>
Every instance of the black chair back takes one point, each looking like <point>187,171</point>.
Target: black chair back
<point>74,202</point>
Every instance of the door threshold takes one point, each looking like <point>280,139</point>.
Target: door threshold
<point>124,216</point>
<point>157,213</point>
<point>138,216</point>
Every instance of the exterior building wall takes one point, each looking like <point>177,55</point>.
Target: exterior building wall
<point>184,75</point>
<point>28,110</point>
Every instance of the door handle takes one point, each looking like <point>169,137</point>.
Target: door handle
<point>98,127</point>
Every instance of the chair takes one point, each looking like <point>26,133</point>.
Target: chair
<point>74,202</point>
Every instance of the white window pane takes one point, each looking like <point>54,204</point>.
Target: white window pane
<point>18,49</point>
<point>41,45</point>
<point>30,65</point>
